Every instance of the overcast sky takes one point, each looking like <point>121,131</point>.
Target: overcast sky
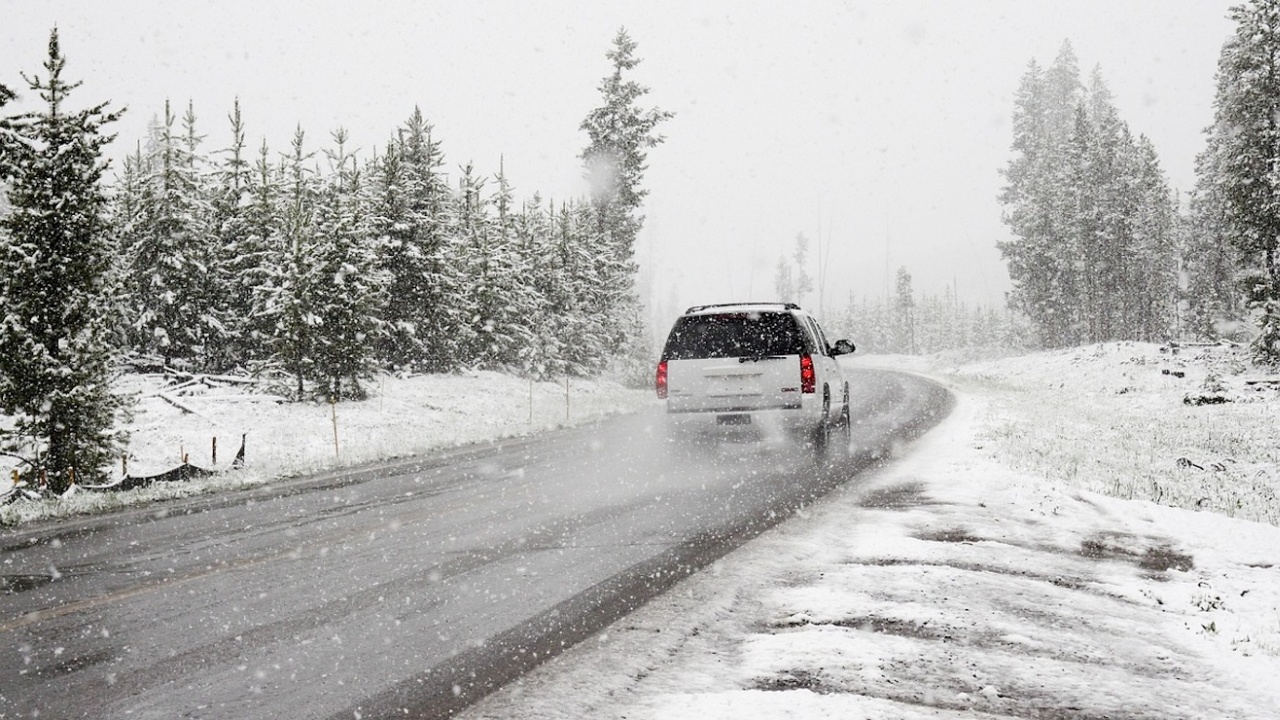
<point>875,128</point>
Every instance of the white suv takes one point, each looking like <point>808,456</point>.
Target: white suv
<point>747,364</point>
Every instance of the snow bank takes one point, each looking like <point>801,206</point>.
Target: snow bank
<point>403,417</point>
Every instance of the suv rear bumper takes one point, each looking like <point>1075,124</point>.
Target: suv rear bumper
<point>789,419</point>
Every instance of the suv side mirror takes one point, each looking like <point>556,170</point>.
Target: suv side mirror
<point>843,347</point>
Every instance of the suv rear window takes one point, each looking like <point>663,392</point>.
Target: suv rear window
<point>734,335</point>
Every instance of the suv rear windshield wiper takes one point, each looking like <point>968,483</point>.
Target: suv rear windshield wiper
<point>758,358</point>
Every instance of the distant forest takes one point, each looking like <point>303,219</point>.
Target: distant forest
<point>1103,250</point>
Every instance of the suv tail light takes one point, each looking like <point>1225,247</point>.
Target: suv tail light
<point>807,377</point>
<point>661,380</point>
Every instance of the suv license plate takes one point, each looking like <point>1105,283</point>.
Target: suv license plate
<point>733,419</point>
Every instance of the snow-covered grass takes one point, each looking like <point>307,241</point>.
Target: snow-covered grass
<point>1115,419</point>
<point>981,574</point>
<point>404,416</point>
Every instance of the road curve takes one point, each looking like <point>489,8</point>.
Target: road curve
<point>410,589</point>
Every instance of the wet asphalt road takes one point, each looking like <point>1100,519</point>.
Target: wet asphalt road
<point>406,590</point>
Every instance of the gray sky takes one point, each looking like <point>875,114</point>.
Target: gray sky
<point>875,128</point>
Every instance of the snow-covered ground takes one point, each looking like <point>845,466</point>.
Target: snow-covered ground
<point>1075,541</point>
<point>403,417</point>
<point>985,573</point>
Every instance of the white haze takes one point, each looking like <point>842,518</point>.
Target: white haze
<point>875,128</point>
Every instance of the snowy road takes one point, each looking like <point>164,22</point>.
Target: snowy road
<point>408,589</point>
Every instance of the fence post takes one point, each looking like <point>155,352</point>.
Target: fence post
<point>333,407</point>
<point>215,449</point>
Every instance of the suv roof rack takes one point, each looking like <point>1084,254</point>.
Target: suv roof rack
<point>700,308</point>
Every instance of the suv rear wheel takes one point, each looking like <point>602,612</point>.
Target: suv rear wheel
<point>821,434</point>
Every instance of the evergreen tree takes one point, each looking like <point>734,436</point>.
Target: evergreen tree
<point>514,267</point>
<point>1063,92</point>
<point>499,298</point>
<point>289,291</point>
<point>1208,257</point>
<point>620,134</point>
<point>804,281</point>
<point>410,216</point>
<point>1079,248</point>
<point>57,281</point>
<point>904,313</point>
<point>1030,200</point>
<point>1092,257</point>
<point>260,267</point>
<point>585,333</point>
<point>792,283</point>
<point>236,252</point>
<point>347,287</point>
<point>170,252</point>
<point>540,355</point>
<point>1245,151</point>
<point>8,138</point>
<point>1152,278</point>
<point>128,220</point>
<point>784,285</point>
<point>472,250</point>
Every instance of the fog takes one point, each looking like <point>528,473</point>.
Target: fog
<point>877,129</point>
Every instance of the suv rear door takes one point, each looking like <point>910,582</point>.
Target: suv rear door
<point>830,371</point>
<point>735,362</point>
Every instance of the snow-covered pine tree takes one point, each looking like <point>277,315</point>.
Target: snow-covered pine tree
<point>410,216</point>
<point>1092,255</point>
<point>472,252</point>
<point>1152,270</point>
<point>260,267</point>
<point>620,134</point>
<point>500,296</point>
<point>128,217</point>
<point>784,284</point>
<point>56,281</point>
<point>1081,242</point>
<point>169,284</point>
<point>1029,177</point>
<point>1208,258</point>
<point>8,139</point>
<point>347,286</point>
<point>236,251</point>
<point>557,294</point>
<point>289,290</point>
<point>804,281</point>
<point>534,232</point>
<point>1247,109</point>
<point>581,322</point>
<point>515,270</point>
<point>904,313</point>
<point>1063,92</point>
<point>208,334</point>
<point>1107,238</point>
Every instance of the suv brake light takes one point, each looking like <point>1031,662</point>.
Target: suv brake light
<point>661,380</point>
<point>807,377</point>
